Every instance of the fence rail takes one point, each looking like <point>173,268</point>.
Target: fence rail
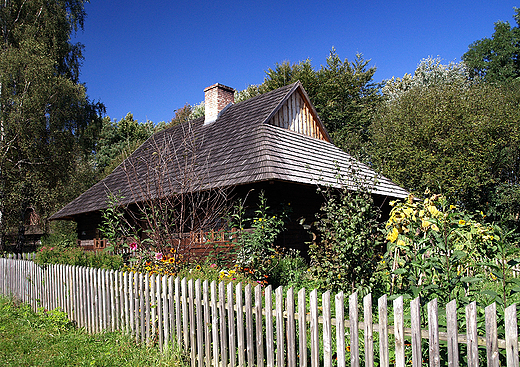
<point>231,325</point>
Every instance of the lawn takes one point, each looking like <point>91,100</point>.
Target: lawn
<point>47,338</point>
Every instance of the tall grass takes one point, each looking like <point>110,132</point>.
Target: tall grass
<point>48,338</point>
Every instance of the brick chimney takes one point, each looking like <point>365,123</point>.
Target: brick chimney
<point>216,98</point>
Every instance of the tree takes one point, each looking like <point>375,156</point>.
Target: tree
<point>429,72</point>
<point>47,123</point>
<point>119,139</point>
<point>496,59</point>
<point>458,139</point>
<point>342,92</point>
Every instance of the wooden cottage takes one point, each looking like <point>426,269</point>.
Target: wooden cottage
<point>273,142</point>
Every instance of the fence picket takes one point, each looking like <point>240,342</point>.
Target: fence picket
<point>142,309</point>
<point>471,332</point>
<point>185,314</point>
<point>214,323</point>
<point>399,332</point>
<point>231,325</point>
<point>415,320</point>
<point>339,301</point>
<point>382,305</point>
<point>165,311</point>
<point>511,336</point>
<point>452,329</point>
<point>269,335</point>
<point>354,329</point>
<point>240,325</point>
<point>313,301</point>
<point>258,330</point>
<point>131,303</point>
<point>178,311</point>
<point>291,329</point>
<point>171,310</point>
<point>250,348</point>
<point>207,323</point>
<point>192,326</point>
<point>433,333</point>
<point>369,330</point>
<point>491,335</point>
<point>327,330</point>
<point>280,357</point>
<point>148,306</point>
<point>223,328</point>
<point>200,326</point>
<point>302,327</point>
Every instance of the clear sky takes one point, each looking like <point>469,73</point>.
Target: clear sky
<point>150,58</point>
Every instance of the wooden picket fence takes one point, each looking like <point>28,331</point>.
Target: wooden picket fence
<point>226,325</point>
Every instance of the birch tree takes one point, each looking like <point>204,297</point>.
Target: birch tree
<point>47,123</point>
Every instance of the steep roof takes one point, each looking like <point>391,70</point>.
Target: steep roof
<point>251,141</point>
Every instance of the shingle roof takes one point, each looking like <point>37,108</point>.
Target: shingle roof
<point>238,148</point>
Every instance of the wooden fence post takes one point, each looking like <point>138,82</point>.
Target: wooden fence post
<point>511,336</point>
<point>491,336</point>
<point>471,331</point>
<point>452,329</point>
<point>399,332</point>
<point>433,332</point>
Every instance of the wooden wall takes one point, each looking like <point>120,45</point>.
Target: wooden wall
<point>296,115</point>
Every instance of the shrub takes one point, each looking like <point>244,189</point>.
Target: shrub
<point>64,253</point>
<point>345,252</point>
<point>256,244</point>
<point>436,249</point>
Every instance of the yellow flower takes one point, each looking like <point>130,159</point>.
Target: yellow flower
<point>433,210</point>
<point>462,222</point>
<point>407,212</point>
<point>197,267</point>
<point>452,207</point>
<point>425,224</point>
<point>392,236</point>
<point>399,243</point>
<point>435,228</point>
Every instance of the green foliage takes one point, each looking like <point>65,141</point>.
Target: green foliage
<point>48,338</point>
<point>113,226</point>
<point>495,59</point>
<point>119,139</point>
<point>461,140</point>
<point>289,269</point>
<point>59,231</point>
<point>257,243</point>
<point>66,252</point>
<point>345,251</point>
<point>438,250</point>
<point>429,72</point>
<point>342,92</point>
<point>47,124</point>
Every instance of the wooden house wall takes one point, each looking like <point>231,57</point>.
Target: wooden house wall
<point>296,115</point>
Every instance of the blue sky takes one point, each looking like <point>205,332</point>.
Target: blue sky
<point>150,58</point>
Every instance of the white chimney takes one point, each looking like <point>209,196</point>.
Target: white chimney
<point>216,98</point>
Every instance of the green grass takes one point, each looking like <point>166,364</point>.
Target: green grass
<point>47,338</point>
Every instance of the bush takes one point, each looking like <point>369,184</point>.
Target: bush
<point>65,253</point>
<point>436,249</point>
<point>345,255</point>
<point>256,245</point>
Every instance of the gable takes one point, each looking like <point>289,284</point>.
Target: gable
<point>297,114</point>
